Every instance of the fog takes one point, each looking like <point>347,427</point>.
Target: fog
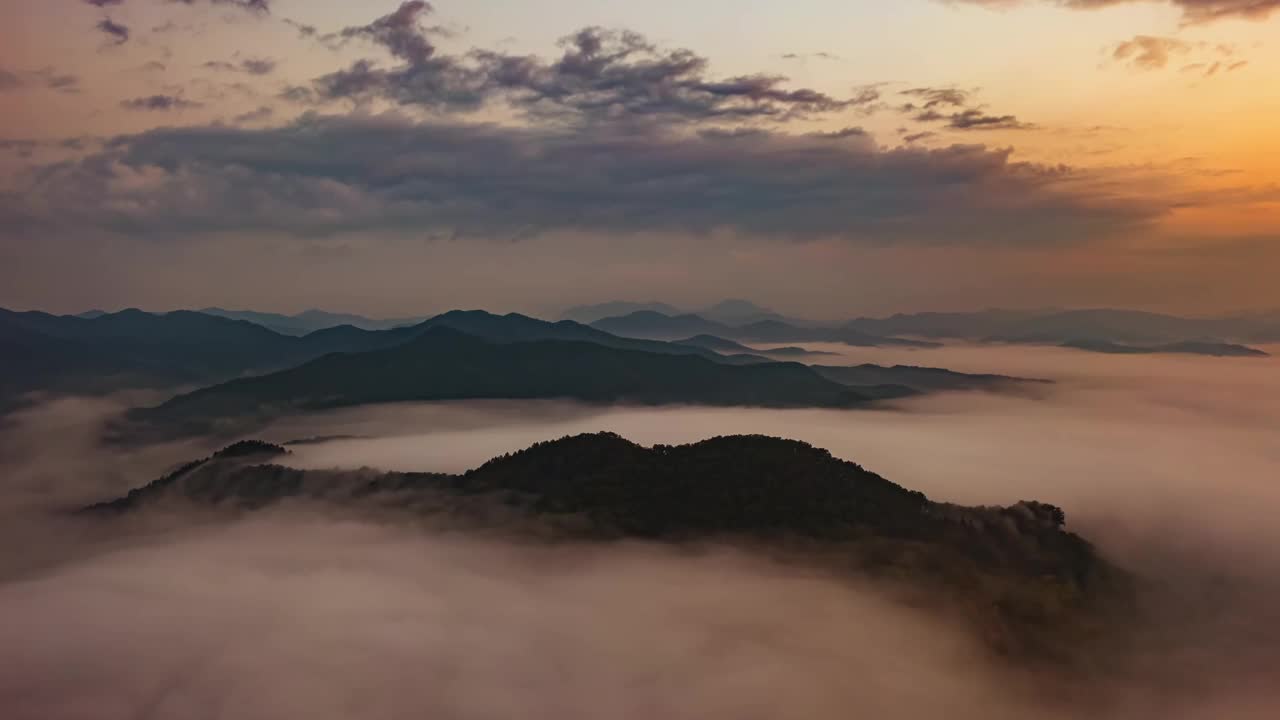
<point>1168,463</point>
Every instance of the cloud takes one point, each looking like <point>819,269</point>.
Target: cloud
<point>159,102</point>
<point>602,75</point>
<point>259,115</point>
<point>258,6</point>
<point>333,174</point>
<point>114,30</point>
<point>1193,11</point>
<point>929,105</point>
<point>47,78</point>
<point>931,97</point>
<point>9,80</point>
<point>1148,52</point>
<point>251,66</point>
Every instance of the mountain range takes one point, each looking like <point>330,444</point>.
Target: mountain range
<point>729,312</point>
<point>310,321</point>
<point>133,348</point>
<point>1032,588</point>
<point>445,364</point>
<point>1094,330</point>
<point>1053,326</point>
<point>655,325</point>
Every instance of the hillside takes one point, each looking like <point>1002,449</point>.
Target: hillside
<point>656,325</point>
<point>132,348</point>
<point>1212,349</point>
<point>919,379</point>
<point>1056,326</point>
<point>1033,588</point>
<point>444,364</point>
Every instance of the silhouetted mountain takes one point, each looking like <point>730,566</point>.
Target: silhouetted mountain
<point>444,364</point>
<point>918,379</point>
<point>1035,589</point>
<point>134,348</point>
<point>716,344</point>
<point>655,325</point>
<point>1054,326</point>
<point>309,321</point>
<point>648,324</point>
<point>739,312</point>
<point>721,345</point>
<point>588,314</point>
<point>794,352</point>
<point>1179,348</point>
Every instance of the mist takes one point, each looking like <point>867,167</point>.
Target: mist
<point>1167,463</point>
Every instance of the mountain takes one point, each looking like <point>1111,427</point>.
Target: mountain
<point>1213,349</point>
<point>656,325</point>
<point>722,345</point>
<point>716,344</point>
<point>739,312</point>
<point>445,364</point>
<point>794,352</point>
<point>1033,589</point>
<point>1056,326</point>
<point>649,324</point>
<point>588,314</point>
<point>308,321</point>
<point>138,349</point>
<point>919,379</point>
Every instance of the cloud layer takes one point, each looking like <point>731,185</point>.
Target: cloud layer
<point>331,174</point>
<point>1193,11</point>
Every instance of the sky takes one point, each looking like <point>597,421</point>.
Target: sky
<point>824,157</point>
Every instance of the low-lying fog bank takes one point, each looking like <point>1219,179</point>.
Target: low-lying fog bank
<point>1169,463</point>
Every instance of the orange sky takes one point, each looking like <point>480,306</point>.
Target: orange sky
<point>1143,107</point>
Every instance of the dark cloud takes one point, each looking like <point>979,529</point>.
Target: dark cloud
<point>601,75</point>
<point>252,66</point>
<point>820,55</point>
<point>259,6</point>
<point>9,80</point>
<point>338,174</point>
<point>930,105</point>
<point>304,30</point>
<point>118,33</point>
<point>159,102</point>
<point>1193,11</point>
<point>47,78</point>
<point>930,97</point>
<point>974,119</point>
<point>259,115</point>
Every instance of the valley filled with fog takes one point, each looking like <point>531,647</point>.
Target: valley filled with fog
<point>1167,463</point>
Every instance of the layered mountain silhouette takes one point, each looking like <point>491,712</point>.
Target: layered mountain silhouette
<point>1052,326</point>
<point>729,312</point>
<point>445,364</point>
<point>1189,347</point>
<point>725,346</point>
<point>1035,588</point>
<point>310,321</point>
<point>1089,329</point>
<point>656,325</point>
<point>133,348</point>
